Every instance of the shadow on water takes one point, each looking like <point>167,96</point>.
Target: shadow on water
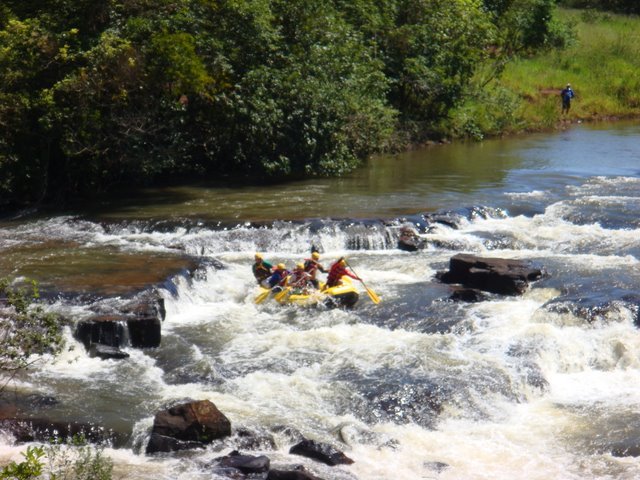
<point>386,186</point>
<point>423,180</point>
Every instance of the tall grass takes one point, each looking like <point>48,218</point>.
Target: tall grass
<point>603,67</point>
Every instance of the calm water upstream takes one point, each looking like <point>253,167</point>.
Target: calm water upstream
<point>542,386</point>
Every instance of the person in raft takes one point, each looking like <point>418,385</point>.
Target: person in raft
<point>299,280</point>
<point>261,268</point>
<point>311,266</point>
<point>278,278</point>
<point>337,270</point>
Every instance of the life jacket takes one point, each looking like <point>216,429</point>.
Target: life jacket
<point>311,266</point>
<point>279,277</point>
<point>261,271</point>
<point>299,278</point>
<point>335,274</point>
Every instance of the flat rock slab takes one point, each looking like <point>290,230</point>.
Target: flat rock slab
<point>495,275</point>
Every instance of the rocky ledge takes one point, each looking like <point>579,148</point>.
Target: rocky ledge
<point>495,275</point>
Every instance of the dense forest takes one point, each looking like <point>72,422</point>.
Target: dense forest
<point>98,95</point>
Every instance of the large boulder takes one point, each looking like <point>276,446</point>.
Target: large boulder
<point>188,425</point>
<point>145,316</point>
<point>109,330</point>
<point>144,332</point>
<point>495,275</point>
<point>137,324</point>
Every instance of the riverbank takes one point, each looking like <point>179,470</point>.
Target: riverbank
<point>601,65</point>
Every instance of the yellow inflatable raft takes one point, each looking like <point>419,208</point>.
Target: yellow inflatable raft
<point>343,295</point>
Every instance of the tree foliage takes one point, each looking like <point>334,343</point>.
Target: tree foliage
<point>26,329</point>
<point>97,95</point>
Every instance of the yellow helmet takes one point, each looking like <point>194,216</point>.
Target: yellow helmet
<point>300,266</point>
<point>281,266</point>
<point>343,263</point>
<point>315,255</point>
<point>258,256</point>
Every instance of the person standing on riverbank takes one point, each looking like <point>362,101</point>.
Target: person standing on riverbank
<point>566,94</point>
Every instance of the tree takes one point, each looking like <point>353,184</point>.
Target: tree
<point>95,97</point>
<point>318,108</point>
<point>431,54</point>
<point>26,330</point>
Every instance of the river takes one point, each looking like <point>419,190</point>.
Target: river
<point>541,386</point>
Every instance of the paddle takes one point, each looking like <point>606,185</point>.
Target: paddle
<point>372,295</point>
<point>280,295</point>
<point>262,296</point>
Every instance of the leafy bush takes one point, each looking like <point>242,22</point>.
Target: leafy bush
<point>62,460</point>
<point>29,469</point>
<point>74,459</point>
<point>26,330</point>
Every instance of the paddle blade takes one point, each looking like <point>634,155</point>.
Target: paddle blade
<point>372,295</point>
<point>280,296</point>
<point>262,296</point>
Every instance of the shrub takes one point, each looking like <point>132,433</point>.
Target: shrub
<point>26,330</point>
<point>72,459</point>
<point>30,468</point>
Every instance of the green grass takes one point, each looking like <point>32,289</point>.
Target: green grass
<point>603,67</point>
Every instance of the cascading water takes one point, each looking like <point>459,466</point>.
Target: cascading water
<point>539,386</point>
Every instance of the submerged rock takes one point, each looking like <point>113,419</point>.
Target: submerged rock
<point>627,447</point>
<point>575,309</point>
<point>322,452</point>
<point>495,275</point>
<point>437,467</point>
<point>470,295</point>
<point>353,435</point>
<point>409,240</point>
<point>106,352</point>
<point>26,430</point>
<point>247,439</point>
<point>290,433</point>
<point>299,474</point>
<point>164,443</point>
<point>247,464</point>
